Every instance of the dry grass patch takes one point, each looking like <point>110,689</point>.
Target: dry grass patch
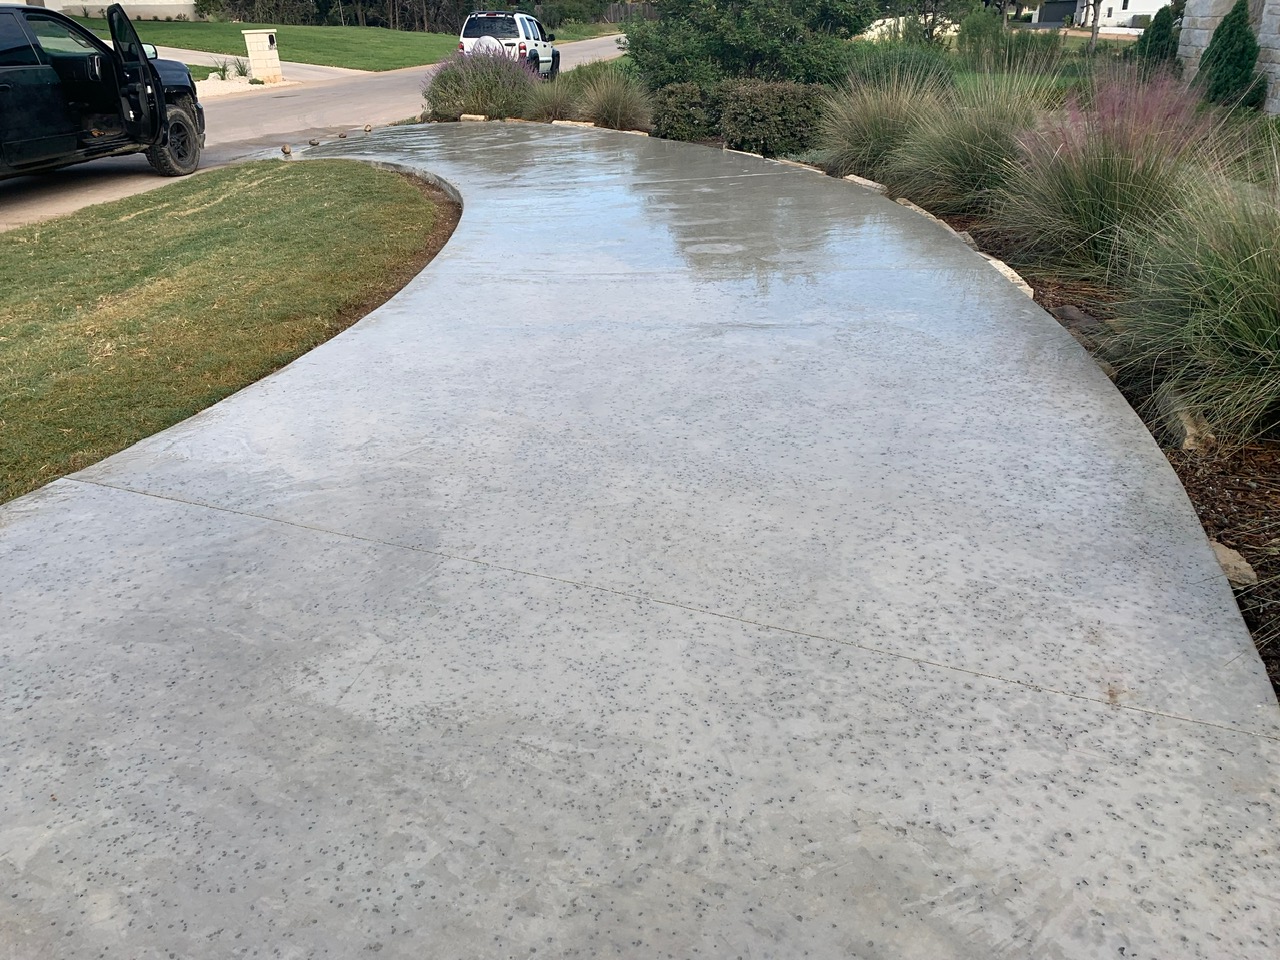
<point>125,318</point>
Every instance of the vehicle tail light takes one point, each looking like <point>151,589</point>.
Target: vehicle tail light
<point>524,49</point>
<point>461,47</point>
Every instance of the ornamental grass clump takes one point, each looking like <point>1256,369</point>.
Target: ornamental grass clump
<point>551,100</point>
<point>483,82</point>
<point>953,160</point>
<point>1202,314</point>
<point>864,122</point>
<point>614,97</point>
<point>1086,180</point>
<point>881,61</point>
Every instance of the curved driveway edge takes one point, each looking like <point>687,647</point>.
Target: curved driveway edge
<point>702,557</point>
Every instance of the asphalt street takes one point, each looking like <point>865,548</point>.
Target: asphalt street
<point>248,126</point>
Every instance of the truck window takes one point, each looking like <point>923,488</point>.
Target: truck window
<point>55,37</point>
<point>503,28</point>
<point>15,49</point>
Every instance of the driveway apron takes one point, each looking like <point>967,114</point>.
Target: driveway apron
<point>702,558</point>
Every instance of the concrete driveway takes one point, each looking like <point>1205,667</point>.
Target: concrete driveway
<point>702,557</point>
<point>255,124</point>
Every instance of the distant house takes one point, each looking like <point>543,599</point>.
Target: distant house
<point>1055,13</point>
<point>1112,13</point>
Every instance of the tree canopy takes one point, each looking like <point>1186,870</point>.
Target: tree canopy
<point>708,40</point>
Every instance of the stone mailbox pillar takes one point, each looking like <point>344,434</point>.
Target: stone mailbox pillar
<point>264,58</point>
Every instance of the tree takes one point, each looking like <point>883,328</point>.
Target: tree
<point>1228,68</point>
<point>1158,44</point>
<point>708,40</point>
<point>927,21</point>
<point>980,38</point>
<point>1093,35</point>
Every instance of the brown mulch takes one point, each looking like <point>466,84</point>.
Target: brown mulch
<point>1237,495</point>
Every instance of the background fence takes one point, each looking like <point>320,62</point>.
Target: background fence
<point>617,12</point>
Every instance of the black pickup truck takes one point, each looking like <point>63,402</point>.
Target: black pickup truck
<point>67,97</point>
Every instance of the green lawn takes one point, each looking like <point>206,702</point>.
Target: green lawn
<point>130,316</point>
<point>360,48</point>
<point>198,72</point>
<point>569,32</point>
<point>1076,41</point>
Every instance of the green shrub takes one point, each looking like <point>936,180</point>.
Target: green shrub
<point>487,83</point>
<point>772,119</point>
<point>880,61</point>
<point>615,98</point>
<point>1032,50</point>
<point>1101,171</point>
<point>957,155</point>
<point>864,123</point>
<point>552,14</point>
<point>685,111</point>
<point>983,43</point>
<point>979,38</point>
<point>1228,68</point>
<point>702,41</point>
<point>1203,309</point>
<point>1158,44</point>
<point>551,100</point>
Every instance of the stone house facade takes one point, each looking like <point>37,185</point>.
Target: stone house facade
<point>1202,17</point>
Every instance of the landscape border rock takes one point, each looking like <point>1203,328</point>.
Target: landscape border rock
<point>1009,274</point>
<point>1186,427</point>
<point>1239,573</point>
<point>879,188</point>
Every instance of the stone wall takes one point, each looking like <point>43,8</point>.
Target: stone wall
<point>1202,17</point>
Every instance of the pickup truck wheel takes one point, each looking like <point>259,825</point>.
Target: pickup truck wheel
<point>180,154</point>
<point>535,66</point>
<point>555,65</point>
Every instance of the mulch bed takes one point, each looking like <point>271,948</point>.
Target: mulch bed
<point>1237,495</point>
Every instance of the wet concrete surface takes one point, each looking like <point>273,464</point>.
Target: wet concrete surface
<point>702,557</point>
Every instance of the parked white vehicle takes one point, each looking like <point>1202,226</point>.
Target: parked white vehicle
<point>518,35</point>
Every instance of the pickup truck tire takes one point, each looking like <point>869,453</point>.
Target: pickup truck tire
<point>180,153</point>
<point>555,65</point>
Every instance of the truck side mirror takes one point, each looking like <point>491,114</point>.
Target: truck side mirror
<point>149,51</point>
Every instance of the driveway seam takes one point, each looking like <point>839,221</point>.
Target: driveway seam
<point>1027,685</point>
